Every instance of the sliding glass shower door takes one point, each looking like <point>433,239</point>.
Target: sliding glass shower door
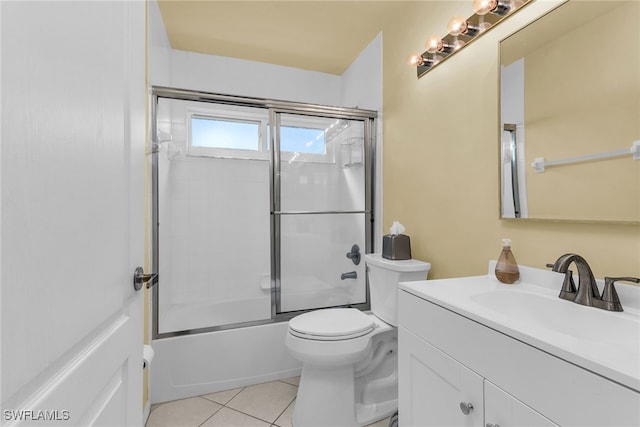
<point>320,211</point>
<point>259,211</point>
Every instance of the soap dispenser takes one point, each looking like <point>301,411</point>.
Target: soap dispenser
<point>507,268</point>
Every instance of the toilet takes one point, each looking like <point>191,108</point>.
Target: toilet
<point>349,358</point>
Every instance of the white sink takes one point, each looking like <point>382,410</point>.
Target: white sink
<point>604,342</point>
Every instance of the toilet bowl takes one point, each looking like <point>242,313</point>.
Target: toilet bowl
<point>349,358</point>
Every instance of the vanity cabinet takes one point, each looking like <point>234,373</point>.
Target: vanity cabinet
<point>502,409</point>
<point>436,390</point>
<point>433,385</point>
<point>454,371</point>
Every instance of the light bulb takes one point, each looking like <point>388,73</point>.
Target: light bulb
<point>457,25</point>
<point>415,59</point>
<point>482,7</point>
<point>496,7</point>
<point>433,44</point>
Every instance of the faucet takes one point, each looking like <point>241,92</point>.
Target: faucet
<point>587,292</point>
<point>349,275</point>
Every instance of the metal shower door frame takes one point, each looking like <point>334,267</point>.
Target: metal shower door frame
<point>275,107</point>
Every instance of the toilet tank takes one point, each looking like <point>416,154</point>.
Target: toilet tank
<point>384,277</point>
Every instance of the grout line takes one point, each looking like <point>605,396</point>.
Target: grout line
<point>249,415</point>
<point>223,404</point>
<point>214,412</point>
<point>284,410</point>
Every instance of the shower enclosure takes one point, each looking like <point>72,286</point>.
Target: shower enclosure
<point>261,209</point>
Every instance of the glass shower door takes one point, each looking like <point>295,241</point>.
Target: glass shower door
<point>213,237</point>
<point>320,211</point>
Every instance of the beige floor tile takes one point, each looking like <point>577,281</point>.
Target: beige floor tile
<point>265,401</point>
<point>381,423</point>
<point>293,381</point>
<point>286,419</point>
<point>226,417</point>
<point>182,413</point>
<point>222,397</point>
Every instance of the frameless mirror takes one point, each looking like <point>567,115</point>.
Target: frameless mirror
<point>570,115</point>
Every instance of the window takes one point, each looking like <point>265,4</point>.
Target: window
<point>222,133</point>
<point>244,134</point>
<point>302,140</point>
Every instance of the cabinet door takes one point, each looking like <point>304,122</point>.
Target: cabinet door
<point>503,410</point>
<point>433,386</point>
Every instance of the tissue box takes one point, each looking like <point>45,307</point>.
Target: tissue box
<point>396,246</point>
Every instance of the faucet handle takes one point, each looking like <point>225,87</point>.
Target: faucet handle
<point>610,296</point>
<point>568,290</point>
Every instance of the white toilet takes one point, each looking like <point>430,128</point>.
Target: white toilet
<point>349,362</point>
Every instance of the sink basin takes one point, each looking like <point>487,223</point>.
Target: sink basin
<point>604,342</point>
<point>577,322</point>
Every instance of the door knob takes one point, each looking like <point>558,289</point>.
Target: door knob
<point>139,278</point>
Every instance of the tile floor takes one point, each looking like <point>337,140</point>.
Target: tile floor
<point>260,405</point>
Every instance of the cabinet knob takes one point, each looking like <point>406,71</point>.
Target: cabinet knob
<point>466,407</point>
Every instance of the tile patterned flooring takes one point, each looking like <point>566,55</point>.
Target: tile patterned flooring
<point>260,405</point>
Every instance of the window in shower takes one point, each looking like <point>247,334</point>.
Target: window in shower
<point>236,136</point>
<point>226,132</point>
<point>213,132</point>
<point>302,140</point>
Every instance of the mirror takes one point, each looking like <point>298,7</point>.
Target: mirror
<point>570,102</point>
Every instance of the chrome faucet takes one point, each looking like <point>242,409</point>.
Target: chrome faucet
<point>587,292</point>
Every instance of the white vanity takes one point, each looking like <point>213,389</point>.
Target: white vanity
<point>476,352</point>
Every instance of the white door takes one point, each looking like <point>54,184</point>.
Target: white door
<point>72,180</point>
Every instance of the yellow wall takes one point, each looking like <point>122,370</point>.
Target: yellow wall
<point>566,86</point>
<point>440,158</point>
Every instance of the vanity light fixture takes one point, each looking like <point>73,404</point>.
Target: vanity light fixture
<point>461,32</point>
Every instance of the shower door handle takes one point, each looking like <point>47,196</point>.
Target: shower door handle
<point>139,278</point>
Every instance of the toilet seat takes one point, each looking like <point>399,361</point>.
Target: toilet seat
<point>332,324</point>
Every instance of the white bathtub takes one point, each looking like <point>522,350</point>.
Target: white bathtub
<point>191,365</point>
<point>195,364</point>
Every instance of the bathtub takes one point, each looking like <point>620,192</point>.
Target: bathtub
<point>195,364</point>
<point>192,365</point>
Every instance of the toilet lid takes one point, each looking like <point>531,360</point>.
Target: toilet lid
<point>332,324</point>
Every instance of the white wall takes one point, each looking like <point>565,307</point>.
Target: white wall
<point>159,48</point>
<point>362,88</point>
<point>362,81</point>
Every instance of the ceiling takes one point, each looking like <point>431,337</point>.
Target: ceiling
<point>324,36</point>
